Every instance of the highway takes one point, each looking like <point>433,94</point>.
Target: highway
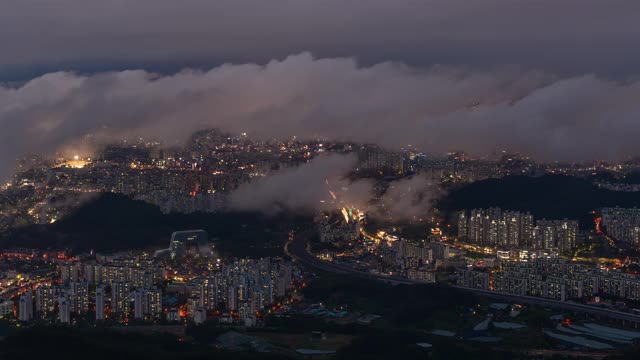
<point>298,248</point>
<point>559,305</point>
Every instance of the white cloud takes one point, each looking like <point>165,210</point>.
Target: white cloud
<point>436,109</point>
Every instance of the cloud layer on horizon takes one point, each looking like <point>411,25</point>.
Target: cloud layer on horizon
<point>436,109</point>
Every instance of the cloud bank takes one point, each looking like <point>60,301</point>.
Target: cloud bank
<point>321,185</point>
<point>408,199</point>
<point>436,109</point>
<point>304,188</point>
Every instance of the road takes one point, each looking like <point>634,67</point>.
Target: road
<point>555,304</point>
<point>298,248</point>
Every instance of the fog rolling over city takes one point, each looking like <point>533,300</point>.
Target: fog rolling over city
<point>435,109</point>
<point>323,185</point>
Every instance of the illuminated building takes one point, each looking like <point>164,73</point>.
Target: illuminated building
<point>69,272</point>
<point>151,302</point>
<point>147,303</point>
<point>439,251</point>
<point>244,285</point>
<point>556,234</point>
<point>622,224</point>
<point>513,229</point>
<point>6,308</point>
<point>557,279</point>
<point>79,297</point>
<point>209,293</point>
<point>463,226</point>
<point>376,161</point>
<point>120,297</point>
<point>46,297</point>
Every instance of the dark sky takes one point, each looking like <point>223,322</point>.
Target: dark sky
<point>561,36</point>
<point>556,79</point>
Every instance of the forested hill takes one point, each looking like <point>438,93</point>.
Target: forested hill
<point>549,196</point>
<point>114,222</point>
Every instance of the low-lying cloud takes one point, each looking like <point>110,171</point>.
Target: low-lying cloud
<point>408,199</point>
<point>308,187</point>
<point>323,185</point>
<point>435,109</point>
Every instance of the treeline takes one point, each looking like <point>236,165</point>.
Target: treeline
<point>114,222</point>
<point>549,196</point>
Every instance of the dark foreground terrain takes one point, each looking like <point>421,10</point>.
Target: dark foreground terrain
<point>114,222</point>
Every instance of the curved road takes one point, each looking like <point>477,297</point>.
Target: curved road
<point>298,248</point>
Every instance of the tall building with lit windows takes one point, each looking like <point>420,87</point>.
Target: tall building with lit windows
<point>375,160</point>
<point>120,297</point>
<point>46,297</point>
<point>495,227</point>
<point>514,229</point>
<point>622,224</point>
<point>152,302</point>
<point>556,234</point>
<point>79,297</point>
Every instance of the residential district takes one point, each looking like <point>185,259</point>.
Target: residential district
<point>182,286</point>
<point>516,258</point>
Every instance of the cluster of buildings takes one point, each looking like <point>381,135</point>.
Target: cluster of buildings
<point>121,289</point>
<point>22,269</point>
<point>458,167</point>
<point>455,167</point>
<point>622,224</point>
<point>241,290</point>
<point>338,232</point>
<point>375,161</point>
<point>413,260</point>
<point>556,279</point>
<point>184,282</point>
<point>613,186</point>
<point>505,229</point>
<point>196,177</point>
<point>98,289</point>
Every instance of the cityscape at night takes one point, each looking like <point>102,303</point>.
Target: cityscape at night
<point>377,179</point>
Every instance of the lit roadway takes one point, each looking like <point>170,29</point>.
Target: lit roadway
<point>298,248</point>
<point>560,305</point>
